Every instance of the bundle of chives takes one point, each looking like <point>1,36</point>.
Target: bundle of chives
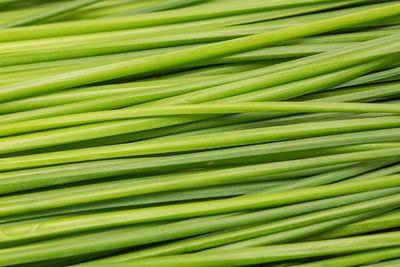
<point>199,133</point>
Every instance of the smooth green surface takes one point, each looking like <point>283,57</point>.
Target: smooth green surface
<point>136,235</point>
<point>136,66</point>
<point>275,253</point>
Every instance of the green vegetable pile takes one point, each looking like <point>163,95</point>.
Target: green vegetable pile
<point>200,133</point>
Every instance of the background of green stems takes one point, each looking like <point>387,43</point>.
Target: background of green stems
<point>207,133</point>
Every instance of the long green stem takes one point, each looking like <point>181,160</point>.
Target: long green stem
<point>181,196</point>
<point>62,174</point>
<point>137,235</point>
<point>145,20</point>
<point>136,66</point>
<point>385,264</point>
<point>118,189</point>
<point>218,90</point>
<point>108,219</point>
<point>274,253</point>
<point>335,176</point>
<point>199,133</point>
<point>357,259</point>
<point>199,142</point>
<point>85,118</point>
<point>256,235</point>
<point>363,93</point>
<point>386,221</point>
<point>60,10</point>
<point>121,127</point>
<point>209,24</point>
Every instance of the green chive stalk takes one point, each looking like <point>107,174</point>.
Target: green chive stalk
<point>136,66</point>
<point>137,235</point>
<point>274,253</point>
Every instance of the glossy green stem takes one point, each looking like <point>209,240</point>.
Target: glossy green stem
<point>249,256</point>
<point>136,235</point>
<point>86,118</point>
<point>261,234</point>
<point>146,20</point>
<point>158,62</point>
<point>59,10</point>
<point>180,211</point>
<point>177,144</point>
<point>358,258</point>
<point>386,221</point>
